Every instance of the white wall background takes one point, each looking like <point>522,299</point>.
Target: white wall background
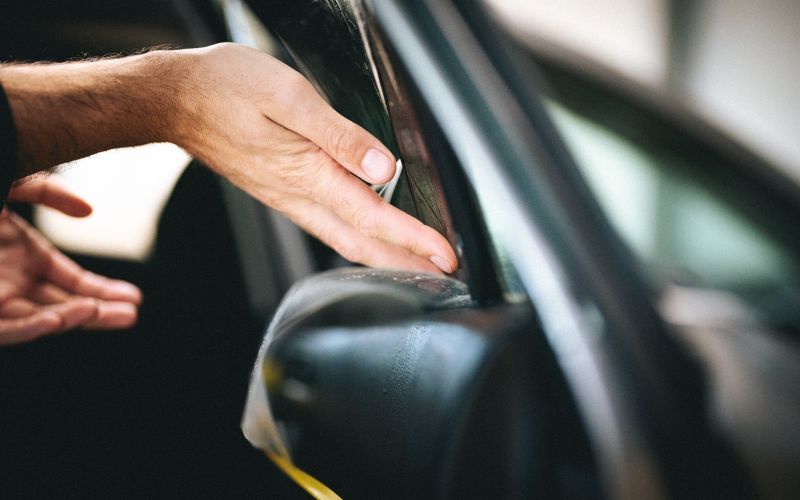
<point>745,72</point>
<point>742,69</point>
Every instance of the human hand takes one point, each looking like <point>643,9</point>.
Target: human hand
<point>41,290</point>
<point>246,115</point>
<point>264,127</point>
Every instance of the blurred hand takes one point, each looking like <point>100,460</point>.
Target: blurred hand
<point>41,290</point>
<point>264,127</point>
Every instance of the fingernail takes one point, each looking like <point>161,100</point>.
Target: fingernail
<point>377,166</point>
<point>441,264</point>
<point>128,290</point>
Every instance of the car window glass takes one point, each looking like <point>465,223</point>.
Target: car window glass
<point>328,43</point>
<point>682,231</point>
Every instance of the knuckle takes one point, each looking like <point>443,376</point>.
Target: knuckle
<point>350,250</point>
<point>296,80</point>
<point>417,247</point>
<point>295,178</point>
<point>342,140</point>
<point>365,218</point>
<point>222,50</point>
<point>296,88</point>
<point>308,175</point>
<point>336,140</point>
<point>223,47</point>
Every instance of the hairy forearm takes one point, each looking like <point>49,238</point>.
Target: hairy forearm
<point>67,111</point>
<point>247,116</point>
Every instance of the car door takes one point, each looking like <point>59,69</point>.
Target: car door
<point>602,400</point>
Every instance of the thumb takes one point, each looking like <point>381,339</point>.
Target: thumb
<point>355,149</point>
<point>301,109</point>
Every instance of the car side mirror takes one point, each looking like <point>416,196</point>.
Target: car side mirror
<point>391,384</point>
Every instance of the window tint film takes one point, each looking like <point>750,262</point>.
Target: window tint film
<point>327,41</point>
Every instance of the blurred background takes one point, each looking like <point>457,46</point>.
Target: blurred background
<point>727,65</point>
<point>734,61</point>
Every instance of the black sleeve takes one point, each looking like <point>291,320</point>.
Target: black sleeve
<point>8,148</point>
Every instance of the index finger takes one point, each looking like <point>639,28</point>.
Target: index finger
<point>46,192</point>
<point>372,216</point>
<point>301,109</point>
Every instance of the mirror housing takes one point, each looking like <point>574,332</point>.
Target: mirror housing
<point>390,384</point>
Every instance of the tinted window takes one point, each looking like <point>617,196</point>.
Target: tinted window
<point>678,213</point>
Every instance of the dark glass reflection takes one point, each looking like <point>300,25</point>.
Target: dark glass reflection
<point>325,40</point>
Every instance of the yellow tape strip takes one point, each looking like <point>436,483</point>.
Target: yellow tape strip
<point>312,486</point>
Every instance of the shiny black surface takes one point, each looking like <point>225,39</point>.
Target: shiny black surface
<point>407,400</point>
<point>392,386</point>
<point>655,383</point>
<point>323,39</point>
<point>327,41</point>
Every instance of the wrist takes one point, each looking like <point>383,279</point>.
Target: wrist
<point>171,100</point>
<point>67,111</point>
